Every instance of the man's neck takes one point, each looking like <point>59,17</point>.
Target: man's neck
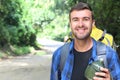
<point>83,45</point>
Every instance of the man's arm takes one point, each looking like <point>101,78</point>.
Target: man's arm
<point>113,67</point>
<point>55,65</point>
<point>113,64</point>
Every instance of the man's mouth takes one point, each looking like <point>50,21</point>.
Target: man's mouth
<point>81,30</point>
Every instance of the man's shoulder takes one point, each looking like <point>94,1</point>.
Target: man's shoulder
<point>109,48</point>
<point>63,48</point>
<point>67,44</point>
<point>110,52</point>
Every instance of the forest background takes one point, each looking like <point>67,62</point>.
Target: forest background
<point>23,21</point>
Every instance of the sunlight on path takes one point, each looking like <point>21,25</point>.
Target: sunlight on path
<point>50,45</point>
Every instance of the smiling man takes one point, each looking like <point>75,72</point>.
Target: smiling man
<point>83,50</point>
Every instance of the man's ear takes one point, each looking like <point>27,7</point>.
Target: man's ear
<point>93,24</point>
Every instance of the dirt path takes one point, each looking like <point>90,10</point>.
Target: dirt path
<point>30,67</point>
<point>26,68</point>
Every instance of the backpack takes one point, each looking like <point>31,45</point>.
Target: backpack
<point>105,38</point>
<point>101,53</point>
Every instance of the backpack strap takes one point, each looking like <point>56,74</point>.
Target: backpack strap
<point>101,52</point>
<point>64,53</point>
<point>103,35</point>
<point>108,41</point>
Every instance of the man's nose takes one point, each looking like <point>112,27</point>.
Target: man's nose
<point>80,23</point>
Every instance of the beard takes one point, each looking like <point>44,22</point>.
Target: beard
<point>84,36</point>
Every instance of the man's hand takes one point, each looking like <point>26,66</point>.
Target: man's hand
<point>104,74</point>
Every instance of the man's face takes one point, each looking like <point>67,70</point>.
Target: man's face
<point>81,23</point>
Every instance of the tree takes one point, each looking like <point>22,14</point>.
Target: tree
<point>10,13</point>
<point>14,29</point>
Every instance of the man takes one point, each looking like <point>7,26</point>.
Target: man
<point>83,50</point>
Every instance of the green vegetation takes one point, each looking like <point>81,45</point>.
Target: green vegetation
<point>22,21</point>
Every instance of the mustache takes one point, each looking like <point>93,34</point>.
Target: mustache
<point>82,27</point>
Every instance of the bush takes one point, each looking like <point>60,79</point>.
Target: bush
<point>21,50</point>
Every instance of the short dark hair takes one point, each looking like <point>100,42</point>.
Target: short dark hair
<point>81,6</point>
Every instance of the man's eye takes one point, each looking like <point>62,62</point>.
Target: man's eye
<point>86,19</point>
<point>75,19</point>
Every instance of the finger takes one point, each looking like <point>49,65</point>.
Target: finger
<point>97,78</point>
<point>104,70</point>
<point>101,74</point>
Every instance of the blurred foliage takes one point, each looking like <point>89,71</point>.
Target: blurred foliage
<point>22,21</point>
<point>14,30</point>
<point>21,50</point>
<point>12,27</point>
